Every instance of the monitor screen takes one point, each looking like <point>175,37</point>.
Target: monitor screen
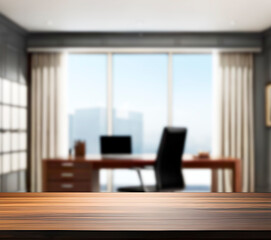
<point>116,145</point>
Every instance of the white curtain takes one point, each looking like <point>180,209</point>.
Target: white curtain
<point>233,116</point>
<point>49,130</point>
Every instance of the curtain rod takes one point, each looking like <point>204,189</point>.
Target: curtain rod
<point>140,50</point>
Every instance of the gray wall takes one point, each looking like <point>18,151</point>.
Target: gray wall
<point>262,72</point>
<point>13,51</point>
<point>267,136</point>
<point>13,66</point>
<point>260,131</point>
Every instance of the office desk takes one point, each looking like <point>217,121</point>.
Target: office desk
<point>135,216</point>
<point>70,173</point>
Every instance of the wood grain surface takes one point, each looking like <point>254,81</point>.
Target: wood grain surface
<point>145,160</point>
<point>174,213</point>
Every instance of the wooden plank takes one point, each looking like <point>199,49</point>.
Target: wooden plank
<point>136,211</point>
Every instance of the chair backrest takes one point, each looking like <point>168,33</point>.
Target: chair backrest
<point>168,163</point>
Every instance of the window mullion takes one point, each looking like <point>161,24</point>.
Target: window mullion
<point>169,90</point>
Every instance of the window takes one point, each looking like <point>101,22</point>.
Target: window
<point>192,108</point>
<point>140,106</point>
<point>192,99</point>
<point>140,98</point>
<point>87,75</point>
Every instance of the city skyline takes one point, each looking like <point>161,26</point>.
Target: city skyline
<point>124,123</point>
<point>129,123</point>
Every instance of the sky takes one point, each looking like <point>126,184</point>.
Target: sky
<point>192,99</point>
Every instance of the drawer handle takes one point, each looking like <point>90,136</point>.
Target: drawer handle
<point>67,164</point>
<point>67,174</point>
<point>67,185</point>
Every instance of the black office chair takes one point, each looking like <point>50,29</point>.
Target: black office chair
<point>168,171</point>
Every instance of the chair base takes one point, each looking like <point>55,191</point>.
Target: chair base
<point>148,189</point>
<point>138,189</point>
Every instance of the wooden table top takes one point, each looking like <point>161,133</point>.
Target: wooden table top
<point>135,211</point>
<point>129,161</point>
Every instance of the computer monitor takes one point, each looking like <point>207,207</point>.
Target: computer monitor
<point>116,144</point>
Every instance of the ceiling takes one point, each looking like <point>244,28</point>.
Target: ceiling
<point>139,15</point>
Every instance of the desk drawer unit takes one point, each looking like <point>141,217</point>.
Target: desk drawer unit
<point>66,176</point>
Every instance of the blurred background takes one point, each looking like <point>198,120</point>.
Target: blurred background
<point>117,95</point>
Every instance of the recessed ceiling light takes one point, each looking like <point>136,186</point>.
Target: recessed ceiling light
<point>232,23</point>
<point>49,23</point>
<point>139,23</point>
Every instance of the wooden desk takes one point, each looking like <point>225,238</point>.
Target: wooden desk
<point>135,216</point>
<point>53,170</point>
